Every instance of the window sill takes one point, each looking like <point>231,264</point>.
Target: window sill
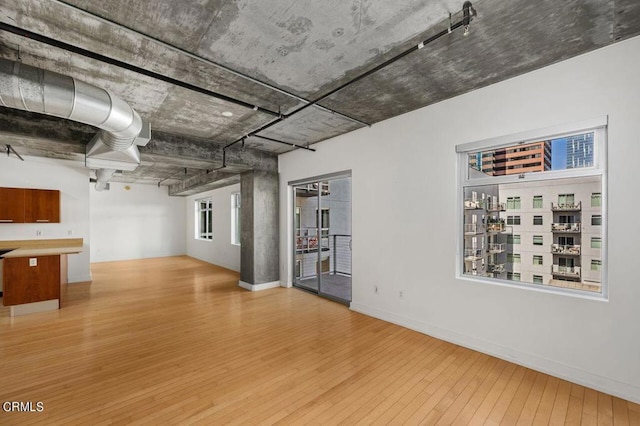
<point>599,297</point>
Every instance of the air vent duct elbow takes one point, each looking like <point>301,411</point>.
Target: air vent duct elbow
<point>37,90</point>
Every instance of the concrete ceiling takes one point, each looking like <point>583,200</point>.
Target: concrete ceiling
<point>278,55</point>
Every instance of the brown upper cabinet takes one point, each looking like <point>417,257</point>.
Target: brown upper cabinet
<point>42,205</point>
<point>20,205</point>
<point>12,205</point>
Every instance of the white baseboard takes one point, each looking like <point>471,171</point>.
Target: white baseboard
<point>258,287</point>
<point>604,384</point>
<point>285,284</point>
<point>79,278</point>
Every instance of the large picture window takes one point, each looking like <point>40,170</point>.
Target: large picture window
<point>564,165</point>
<point>204,219</point>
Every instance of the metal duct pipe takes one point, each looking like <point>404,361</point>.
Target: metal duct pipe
<point>37,90</point>
<point>102,178</point>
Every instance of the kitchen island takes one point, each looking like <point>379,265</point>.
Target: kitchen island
<point>33,271</point>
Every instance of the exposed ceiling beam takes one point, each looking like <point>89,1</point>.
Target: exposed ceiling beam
<point>205,181</point>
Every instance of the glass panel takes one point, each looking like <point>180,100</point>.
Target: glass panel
<point>571,152</point>
<point>494,239</point>
<point>335,230</point>
<point>305,238</point>
<point>322,232</point>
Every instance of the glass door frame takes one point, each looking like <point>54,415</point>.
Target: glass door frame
<point>296,184</point>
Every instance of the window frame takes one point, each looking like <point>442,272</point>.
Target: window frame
<point>198,213</point>
<point>236,221</point>
<point>464,182</point>
<point>515,202</point>
<point>538,198</point>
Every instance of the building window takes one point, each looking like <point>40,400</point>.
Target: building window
<point>566,167</point>
<point>596,242</point>
<point>596,264</point>
<point>204,219</point>
<point>513,220</point>
<point>235,218</point>
<point>565,241</point>
<point>513,257</point>
<point>513,276</point>
<point>324,224</point>
<point>537,279</point>
<point>537,201</point>
<point>513,203</point>
<point>566,200</point>
<point>513,239</point>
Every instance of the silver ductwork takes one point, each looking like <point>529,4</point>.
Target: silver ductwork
<point>37,90</point>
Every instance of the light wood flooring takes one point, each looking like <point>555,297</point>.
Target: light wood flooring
<point>175,341</point>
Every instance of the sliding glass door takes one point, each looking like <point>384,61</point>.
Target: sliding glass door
<point>322,237</point>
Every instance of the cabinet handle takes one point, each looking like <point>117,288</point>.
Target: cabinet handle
<point>6,220</point>
<point>42,220</point>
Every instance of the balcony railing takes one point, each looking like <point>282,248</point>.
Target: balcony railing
<point>311,189</point>
<point>570,250</point>
<point>496,268</point>
<point>496,207</point>
<point>474,204</point>
<point>567,271</point>
<point>496,227</point>
<point>472,254</point>
<point>496,248</point>
<point>565,227</point>
<point>566,207</point>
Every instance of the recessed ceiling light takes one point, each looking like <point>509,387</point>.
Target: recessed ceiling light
<point>227,113</point>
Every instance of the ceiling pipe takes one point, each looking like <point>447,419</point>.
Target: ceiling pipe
<point>10,150</point>
<point>209,62</point>
<point>37,90</point>
<point>468,13</point>
<point>102,58</point>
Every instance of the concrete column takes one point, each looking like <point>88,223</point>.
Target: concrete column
<point>259,257</point>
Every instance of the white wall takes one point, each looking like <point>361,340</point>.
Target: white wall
<point>72,180</point>
<point>220,251</point>
<point>404,221</point>
<point>135,223</point>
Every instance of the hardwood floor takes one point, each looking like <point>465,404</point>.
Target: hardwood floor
<point>175,341</point>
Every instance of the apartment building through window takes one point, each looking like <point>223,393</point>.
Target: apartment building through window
<point>551,237</point>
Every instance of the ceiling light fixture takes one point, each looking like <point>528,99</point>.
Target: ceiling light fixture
<point>227,113</point>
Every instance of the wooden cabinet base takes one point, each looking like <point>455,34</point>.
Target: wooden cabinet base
<point>25,282</point>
